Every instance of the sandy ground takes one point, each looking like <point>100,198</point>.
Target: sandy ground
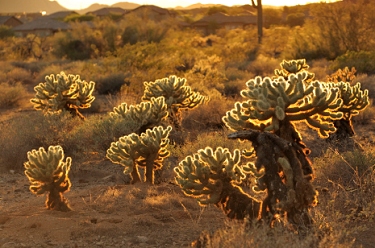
<point>104,214</point>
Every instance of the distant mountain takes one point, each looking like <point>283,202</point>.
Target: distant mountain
<point>20,6</point>
<point>197,6</point>
<point>32,6</point>
<point>93,7</point>
<point>126,5</point>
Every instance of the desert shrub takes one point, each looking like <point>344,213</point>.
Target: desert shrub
<point>82,43</point>
<point>263,66</point>
<point>272,17</point>
<point>332,30</point>
<point>149,32</point>
<point>320,68</point>
<point>73,67</point>
<point>111,84</point>
<point>295,19</point>
<point>207,75</point>
<point>96,134</point>
<point>349,179</point>
<point>196,141</point>
<point>274,42</point>
<point>363,61</point>
<point>130,35</point>
<point>27,132</point>
<point>207,116</point>
<point>233,88</point>
<point>366,116</point>
<point>11,95</point>
<point>33,67</point>
<point>250,234</point>
<point>30,47</point>
<point>5,32</point>
<point>19,75</point>
<point>79,18</point>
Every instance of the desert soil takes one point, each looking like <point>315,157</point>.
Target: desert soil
<point>105,213</point>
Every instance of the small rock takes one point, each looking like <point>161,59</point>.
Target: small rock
<point>142,239</point>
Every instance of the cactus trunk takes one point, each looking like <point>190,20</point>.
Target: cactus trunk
<point>149,173</point>
<point>56,201</point>
<point>290,192</point>
<point>237,205</point>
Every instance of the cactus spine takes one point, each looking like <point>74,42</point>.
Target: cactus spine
<point>63,92</point>
<point>47,172</point>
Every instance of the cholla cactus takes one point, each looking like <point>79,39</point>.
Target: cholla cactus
<point>354,101</point>
<point>63,92</point>
<point>210,176</point>
<point>353,98</point>
<point>344,75</point>
<point>146,114</point>
<point>293,67</point>
<point>272,105</point>
<point>147,151</point>
<point>47,172</point>
<point>267,119</point>
<point>177,96</point>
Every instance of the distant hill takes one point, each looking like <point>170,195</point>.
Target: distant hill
<point>32,6</point>
<point>93,7</point>
<point>19,6</point>
<point>197,6</point>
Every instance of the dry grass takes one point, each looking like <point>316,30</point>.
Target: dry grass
<point>11,95</point>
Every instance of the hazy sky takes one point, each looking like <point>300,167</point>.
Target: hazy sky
<point>81,4</point>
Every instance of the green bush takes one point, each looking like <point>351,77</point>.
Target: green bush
<point>363,61</point>
<point>5,32</point>
<point>112,83</point>
<point>18,136</point>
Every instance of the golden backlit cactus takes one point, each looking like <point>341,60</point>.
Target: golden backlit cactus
<point>354,100</point>
<point>147,150</point>
<point>343,75</point>
<point>293,67</point>
<point>211,177</point>
<point>274,102</point>
<point>177,94</point>
<point>146,114</point>
<point>47,172</point>
<point>63,92</point>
